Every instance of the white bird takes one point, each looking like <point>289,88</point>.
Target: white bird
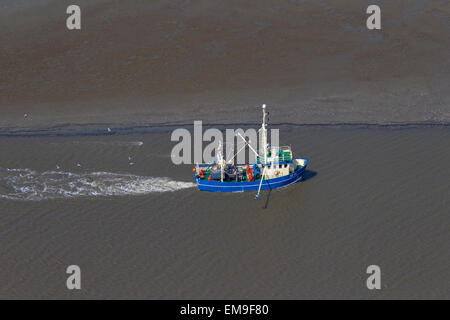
<point>57,166</point>
<point>129,158</point>
<point>78,164</point>
<point>109,129</point>
<point>25,115</point>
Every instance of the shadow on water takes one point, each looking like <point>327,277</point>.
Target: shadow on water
<point>267,198</point>
<point>309,174</point>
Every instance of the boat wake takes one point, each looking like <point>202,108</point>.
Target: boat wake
<point>27,184</point>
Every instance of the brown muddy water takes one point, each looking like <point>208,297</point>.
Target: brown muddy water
<point>138,228</point>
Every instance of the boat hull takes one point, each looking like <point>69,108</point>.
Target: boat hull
<point>217,186</point>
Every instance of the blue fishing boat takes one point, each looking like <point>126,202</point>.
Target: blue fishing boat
<point>275,167</point>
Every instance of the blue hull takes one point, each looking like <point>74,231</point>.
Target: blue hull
<point>217,186</point>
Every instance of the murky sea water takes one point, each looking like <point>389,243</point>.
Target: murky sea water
<point>136,225</point>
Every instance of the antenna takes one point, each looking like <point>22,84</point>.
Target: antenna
<point>263,147</point>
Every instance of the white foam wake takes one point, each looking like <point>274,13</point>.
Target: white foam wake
<point>27,184</point>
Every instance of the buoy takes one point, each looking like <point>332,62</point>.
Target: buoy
<point>209,178</point>
<point>193,170</point>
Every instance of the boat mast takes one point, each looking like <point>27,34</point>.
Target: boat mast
<point>263,130</point>
<point>220,160</point>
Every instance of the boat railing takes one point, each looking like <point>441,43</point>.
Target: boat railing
<point>284,155</point>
